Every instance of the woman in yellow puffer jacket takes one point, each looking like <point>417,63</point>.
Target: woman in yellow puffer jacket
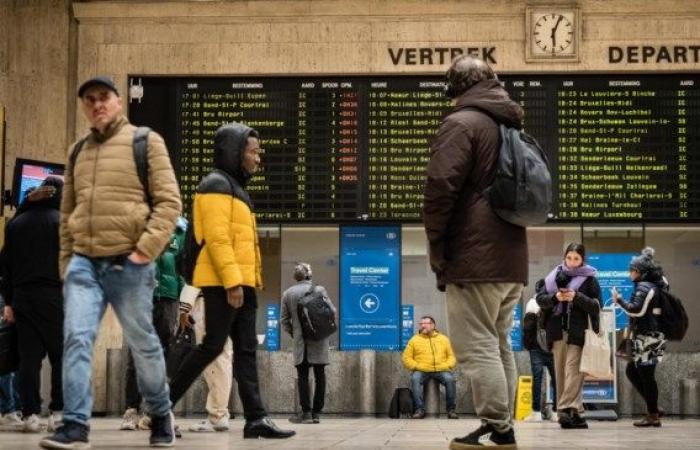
<point>228,270</point>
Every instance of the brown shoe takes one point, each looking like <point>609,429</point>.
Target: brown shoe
<point>650,420</point>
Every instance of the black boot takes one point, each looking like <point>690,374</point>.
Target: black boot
<point>565,418</point>
<point>265,428</point>
<point>577,421</point>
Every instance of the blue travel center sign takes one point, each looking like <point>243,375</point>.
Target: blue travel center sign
<point>613,271</point>
<point>370,287</point>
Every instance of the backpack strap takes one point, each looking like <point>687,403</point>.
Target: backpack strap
<point>140,147</point>
<point>73,157</point>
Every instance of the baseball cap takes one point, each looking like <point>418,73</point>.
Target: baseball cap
<point>98,81</point>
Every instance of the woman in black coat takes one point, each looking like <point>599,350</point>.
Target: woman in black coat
<point>569,296</point>
<point>648,342</point>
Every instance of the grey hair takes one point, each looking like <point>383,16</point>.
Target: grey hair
<point>465,72</point>
<point>302,271</point>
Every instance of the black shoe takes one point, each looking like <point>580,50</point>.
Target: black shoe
<point>265,428</point>
<point>485,436</point>
<point>419,414</point>
<point>452,414</point>
<point>70,436</point>
<point>304,417</point>
<point>315,417</point>
<point>565,418</point>
<point>178,433</point>
<point>163,430</point>
<point>578,422</point>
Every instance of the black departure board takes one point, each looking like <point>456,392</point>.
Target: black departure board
<point>621,148</point>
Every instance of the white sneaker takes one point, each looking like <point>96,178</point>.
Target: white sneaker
<point>535,416</point>
<point>144,422</point>
<point>204,426</point>
<point>32,424</point>
<point>12,422</point>
<point>55,421</point>
<point>209,426</point>
<point>130,420</point>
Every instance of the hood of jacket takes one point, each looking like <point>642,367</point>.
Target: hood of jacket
<point>229,144</point>
<point>490,97</point>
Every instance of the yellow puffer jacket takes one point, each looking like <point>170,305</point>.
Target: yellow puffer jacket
<point>225,223</point>
<point>429,353</point>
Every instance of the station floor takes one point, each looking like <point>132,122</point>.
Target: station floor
<point>370,433</point>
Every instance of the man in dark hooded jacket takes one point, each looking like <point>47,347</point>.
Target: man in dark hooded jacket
<point>32,291</point>
<point>479,259</point>
<point>228,270</point>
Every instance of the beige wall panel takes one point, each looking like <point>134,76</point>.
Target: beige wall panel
<point>652,28</point>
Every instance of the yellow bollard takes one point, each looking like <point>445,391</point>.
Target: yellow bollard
<point>523,397</point>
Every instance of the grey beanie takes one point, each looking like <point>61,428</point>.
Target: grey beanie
<point>644,263</point>
<point>302,271</point>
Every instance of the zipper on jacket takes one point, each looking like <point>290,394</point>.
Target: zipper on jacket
<point>92,194</point>
<point>432,349</point>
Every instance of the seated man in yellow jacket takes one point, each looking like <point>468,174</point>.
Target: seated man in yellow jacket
<point>429,355</point>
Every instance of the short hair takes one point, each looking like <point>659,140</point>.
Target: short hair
<point>465,72</point>
<point>430,318</point>
<point>302,271</point>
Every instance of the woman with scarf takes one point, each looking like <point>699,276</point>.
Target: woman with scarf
<point>569,296</point>
<point>648,342</point>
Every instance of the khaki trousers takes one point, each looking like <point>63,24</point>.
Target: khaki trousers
<point>567,360</point>
<point>219,374</point>
<point>480,319</point>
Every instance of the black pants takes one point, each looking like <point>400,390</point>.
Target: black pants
<point>222,321</point>
<point>39,332</point>
<point>319,390</point>
<point>165,315</point>
<point>643,380</point>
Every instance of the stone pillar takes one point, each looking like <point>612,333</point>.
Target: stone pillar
<point>368,382</point>
<point>690,397</point>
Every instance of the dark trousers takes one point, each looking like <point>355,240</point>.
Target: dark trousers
<point>539,360</point>
<point>319,389</point>
<point>643,380</point>
<point>39,332</point>
<point>221,322</point>
<point>165,315</point>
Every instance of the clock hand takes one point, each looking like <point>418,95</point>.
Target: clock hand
<point>554,31</point>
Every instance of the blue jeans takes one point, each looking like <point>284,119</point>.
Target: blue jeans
<point>539,359</point>
<point>418,378</point>
<point>9,393</point>
<point>90,284</point>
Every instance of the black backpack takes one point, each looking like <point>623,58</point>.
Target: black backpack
<point>401,403</point>
<point>673,321</point>
<point>521,192</point>
<point>140,147</point>
<point>315,315</point>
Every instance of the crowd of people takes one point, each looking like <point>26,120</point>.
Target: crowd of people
<point>111,233</point>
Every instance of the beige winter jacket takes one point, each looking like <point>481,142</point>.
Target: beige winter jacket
<point>104,211</point>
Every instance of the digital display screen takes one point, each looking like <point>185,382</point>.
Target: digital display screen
<point>621,148</point>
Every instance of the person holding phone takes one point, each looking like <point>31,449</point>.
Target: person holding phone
<point>568,296</point>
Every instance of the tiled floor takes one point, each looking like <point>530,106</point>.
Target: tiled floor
<point>370,433</point>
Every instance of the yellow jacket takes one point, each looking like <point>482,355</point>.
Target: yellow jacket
<point>429,353</point>
<point>226,224</point>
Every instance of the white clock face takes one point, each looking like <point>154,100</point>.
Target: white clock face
<point>553,34</point>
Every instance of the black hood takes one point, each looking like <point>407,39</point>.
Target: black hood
<point>489,95</point>
<point>53,202</point>
<point>229,143</point>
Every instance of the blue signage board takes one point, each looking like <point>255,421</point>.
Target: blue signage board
<point>516,333</point>
<point>613,271</point>
<point>370,287</point>
<point>272,335</point>
<point>407,325</point>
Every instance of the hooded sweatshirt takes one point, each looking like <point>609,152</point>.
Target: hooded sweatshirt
<point>224,222</point>
<point>30,255</point>
<point>468,242</point>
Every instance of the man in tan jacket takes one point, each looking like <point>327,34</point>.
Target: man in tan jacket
<point>111,232</point>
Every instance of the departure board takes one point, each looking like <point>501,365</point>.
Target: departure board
<point>621,148</point>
